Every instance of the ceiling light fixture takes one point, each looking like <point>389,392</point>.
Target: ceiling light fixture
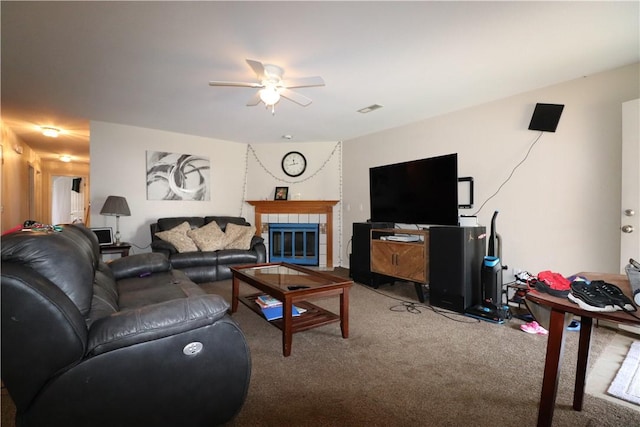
<point>50,131</point>
<point>270,96</point>
<point>65,158</point>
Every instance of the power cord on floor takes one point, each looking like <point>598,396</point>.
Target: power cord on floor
<point>139,247</point>
<point>415,308</point>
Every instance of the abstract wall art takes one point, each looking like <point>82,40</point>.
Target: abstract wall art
<point>173,176</point>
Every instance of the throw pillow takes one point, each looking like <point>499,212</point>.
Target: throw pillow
<point>239,236</point>
<point>177,236</point>
<point>209,237</point>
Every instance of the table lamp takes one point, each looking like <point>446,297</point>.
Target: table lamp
<point>116,206</point>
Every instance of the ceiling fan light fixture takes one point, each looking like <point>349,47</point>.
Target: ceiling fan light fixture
<point>49,131</point>
<point>272,87</point>
<point>270,95</point>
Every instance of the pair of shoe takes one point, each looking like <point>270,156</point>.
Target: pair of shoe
<point>600,296</point>
<point>524,277</point>
<point>534,328</point>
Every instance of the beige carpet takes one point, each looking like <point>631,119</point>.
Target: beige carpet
<point>410,366</point>
<point>407,365</point>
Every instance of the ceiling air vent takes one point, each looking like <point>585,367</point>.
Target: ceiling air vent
<point>369,109</point>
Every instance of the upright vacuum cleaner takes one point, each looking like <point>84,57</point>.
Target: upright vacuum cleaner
<point>491,308</point>
<point>491,276</point>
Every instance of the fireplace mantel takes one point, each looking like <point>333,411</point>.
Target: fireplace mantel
<point>299,207</point>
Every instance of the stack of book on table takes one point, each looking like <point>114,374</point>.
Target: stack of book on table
<point>272,308</point>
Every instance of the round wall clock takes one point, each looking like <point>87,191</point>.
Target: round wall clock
<point>294,163</point>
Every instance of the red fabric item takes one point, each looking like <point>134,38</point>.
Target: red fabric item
<point>554,280</point>
<point>13,230</point>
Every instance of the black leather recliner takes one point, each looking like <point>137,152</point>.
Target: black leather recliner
<point>132,343</point>
<point>206,266</point>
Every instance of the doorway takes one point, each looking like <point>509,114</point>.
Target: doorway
<point>68,199</point>
<point>630,208</point>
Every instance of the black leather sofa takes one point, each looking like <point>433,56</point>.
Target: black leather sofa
<point>206,266</point>
<point>131,343</point>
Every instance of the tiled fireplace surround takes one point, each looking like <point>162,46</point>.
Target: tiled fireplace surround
<point>298,212</point>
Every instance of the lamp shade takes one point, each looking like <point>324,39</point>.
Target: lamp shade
<point>115,205</point>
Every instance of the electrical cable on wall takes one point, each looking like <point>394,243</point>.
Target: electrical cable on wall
<point>510,175</point>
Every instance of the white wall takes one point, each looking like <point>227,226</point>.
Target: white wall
<point>118,167</point>
<point>321,180</point>
<point>560,210</point>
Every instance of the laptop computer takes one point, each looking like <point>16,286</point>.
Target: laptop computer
<point>105,235</point>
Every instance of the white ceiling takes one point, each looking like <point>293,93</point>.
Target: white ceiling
<point>148,64</point>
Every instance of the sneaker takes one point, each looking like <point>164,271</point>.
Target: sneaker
<point>553,283</point>
<point>533,328</point>
<point>590,297</point>
<point>524,277</point>
<point>542,286</point>
<point>615,295</point>
<point>573,326</point>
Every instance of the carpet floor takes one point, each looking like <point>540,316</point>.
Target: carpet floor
<point>405,364</point>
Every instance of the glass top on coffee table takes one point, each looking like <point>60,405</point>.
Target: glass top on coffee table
<point>289,277</point>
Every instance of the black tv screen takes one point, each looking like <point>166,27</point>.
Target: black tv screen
<point>416,192</point>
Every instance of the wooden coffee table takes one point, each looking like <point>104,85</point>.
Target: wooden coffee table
<point>293,284</point>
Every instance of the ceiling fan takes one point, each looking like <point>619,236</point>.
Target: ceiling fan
<point>272,86</point>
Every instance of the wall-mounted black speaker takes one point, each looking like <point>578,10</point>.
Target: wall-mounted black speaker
<point>546,117</point>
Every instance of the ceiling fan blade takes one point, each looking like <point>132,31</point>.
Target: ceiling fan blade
<point>235,84</point>
<point>295,97</point>
<point>257,68</point>
<point>303,82</point>
<point>255,100</point>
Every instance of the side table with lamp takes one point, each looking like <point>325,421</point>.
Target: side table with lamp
<point>121,248</point>
<point>116,206</point>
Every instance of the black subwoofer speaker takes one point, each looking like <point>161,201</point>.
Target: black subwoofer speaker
<point>360,259</point>
<point>455,263</point>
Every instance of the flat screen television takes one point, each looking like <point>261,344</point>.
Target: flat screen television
<point>416,192</point>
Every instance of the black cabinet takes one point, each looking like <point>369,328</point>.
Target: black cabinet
<point>455,263</point>
<point>360,259</point>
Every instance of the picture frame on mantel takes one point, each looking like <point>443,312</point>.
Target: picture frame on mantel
<point>281,193</point>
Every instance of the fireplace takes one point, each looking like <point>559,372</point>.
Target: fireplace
<point>294,243</point>
<point>298,212</point>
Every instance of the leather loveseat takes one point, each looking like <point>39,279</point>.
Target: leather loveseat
<point>206,265</point>
<point>131,343</point>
